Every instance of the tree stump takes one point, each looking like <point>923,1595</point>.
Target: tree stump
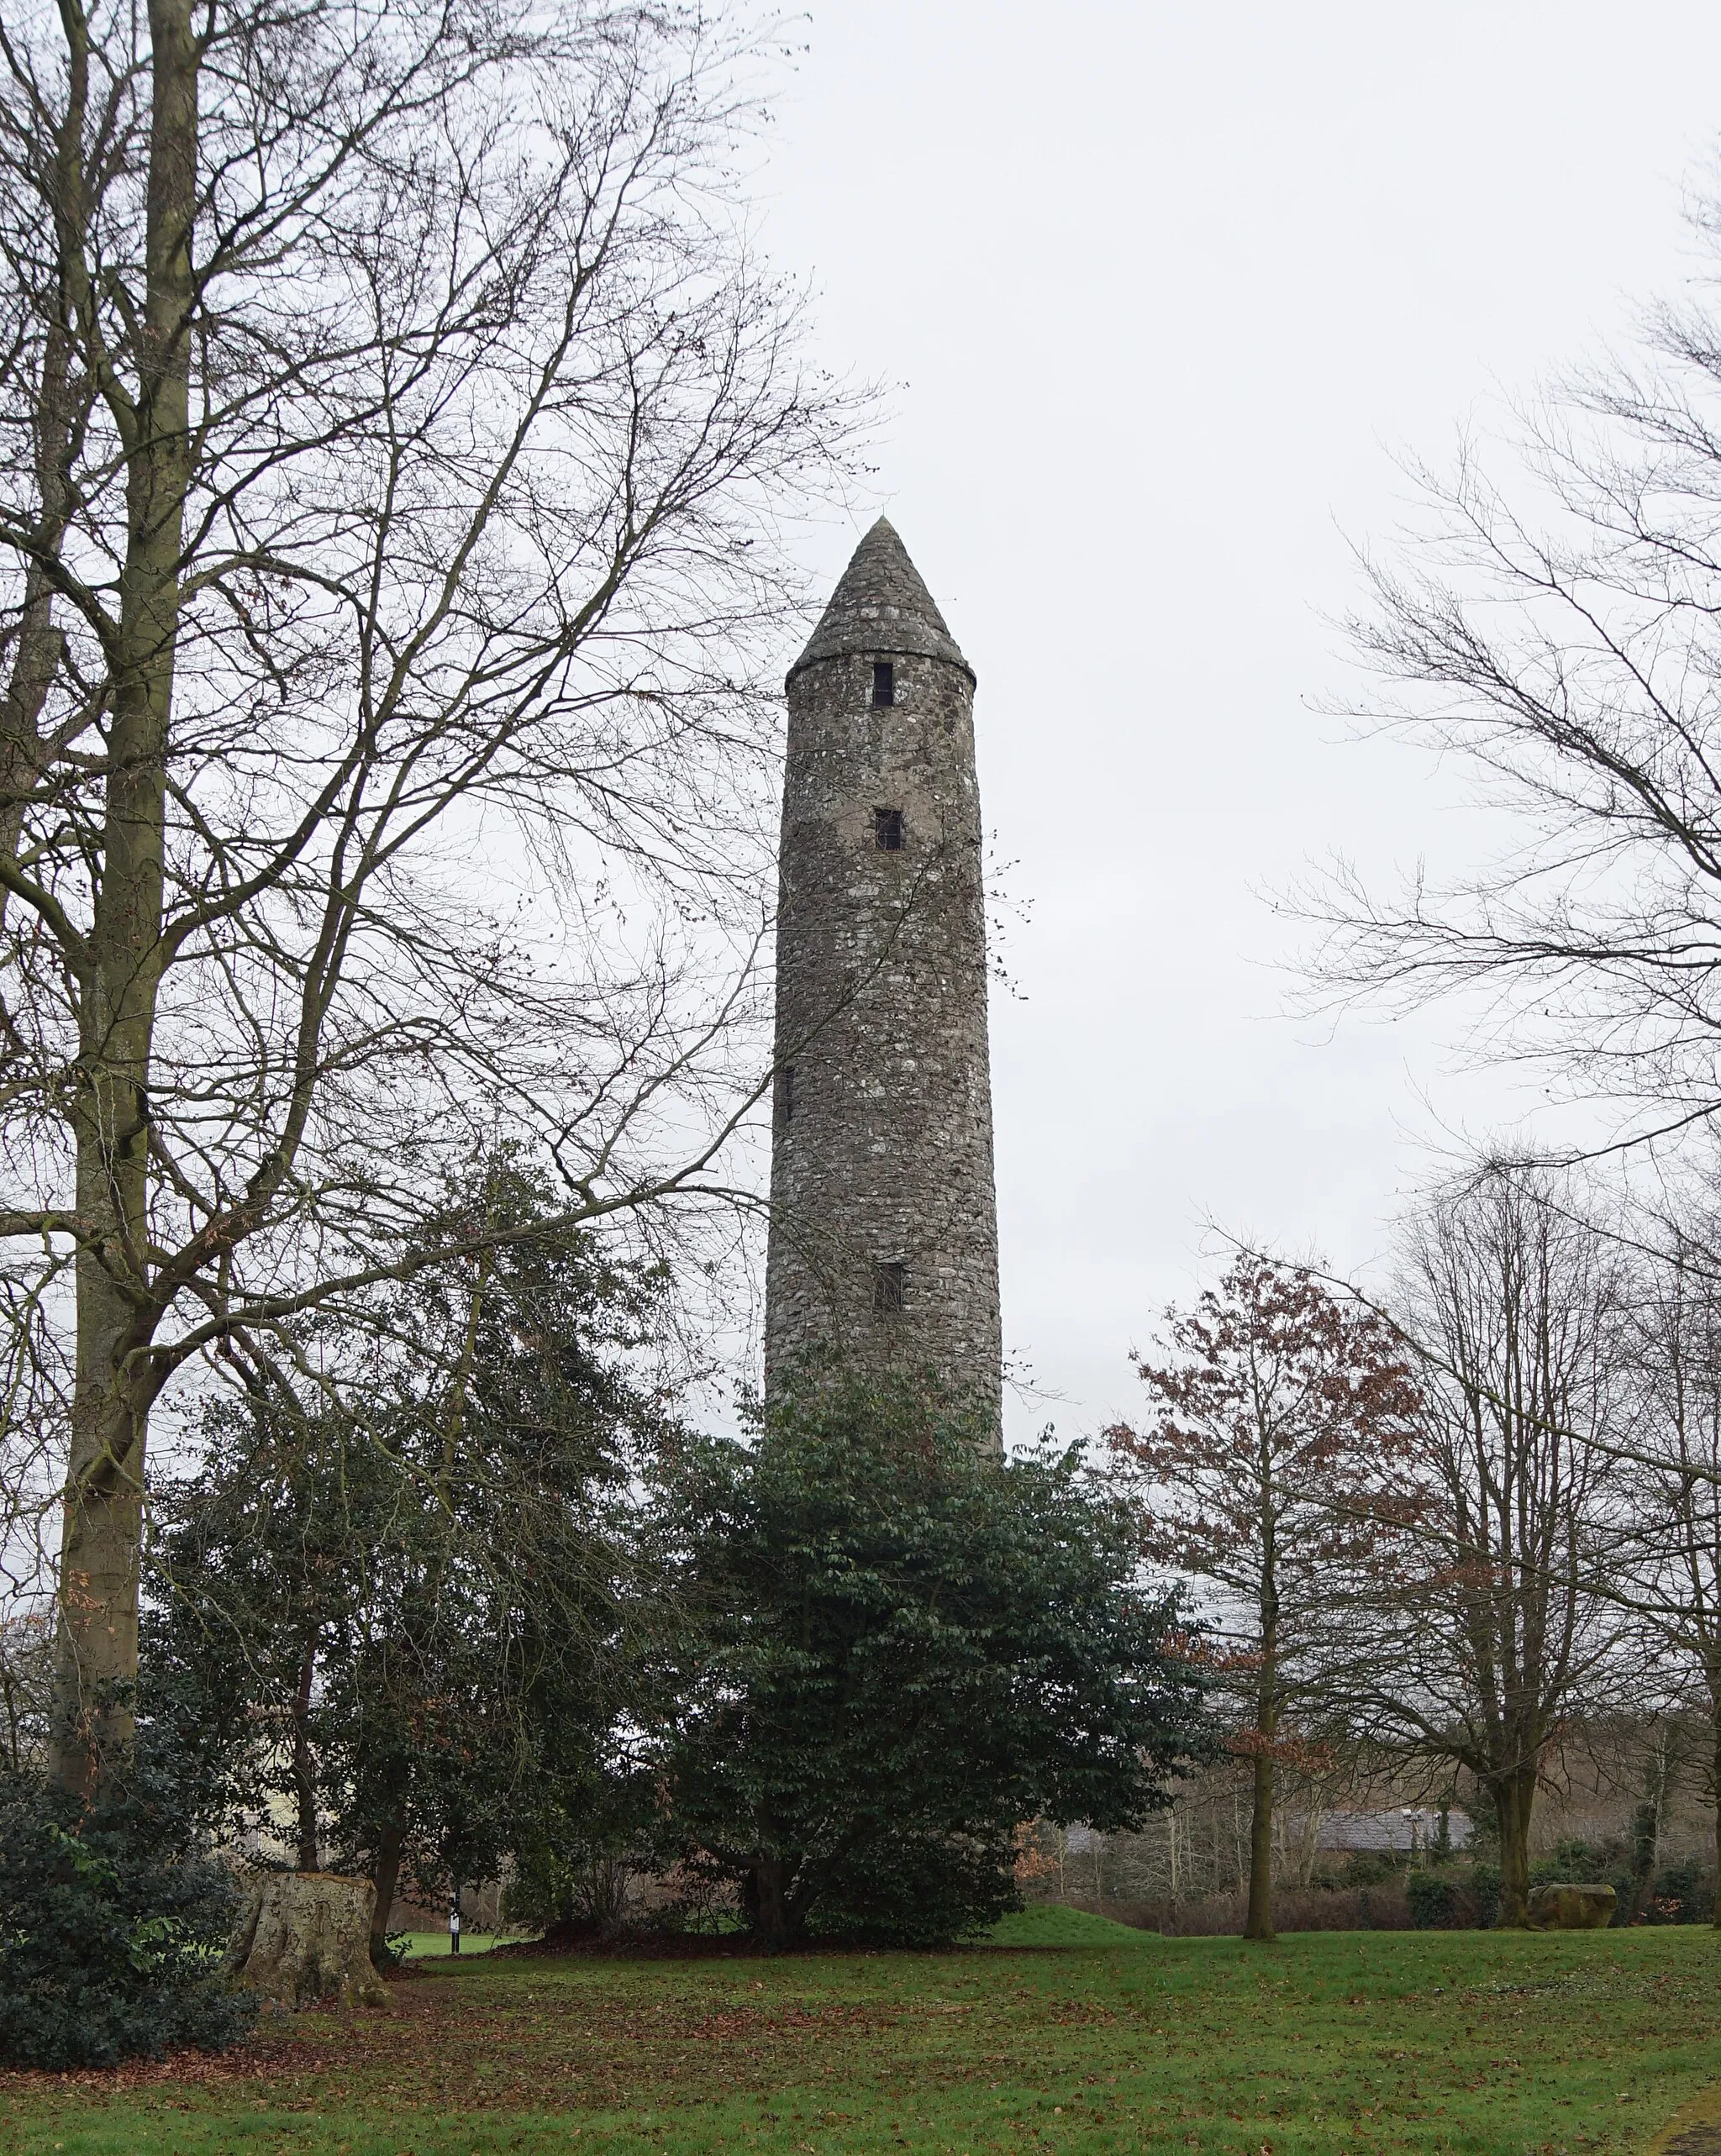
<point>304,1940</point>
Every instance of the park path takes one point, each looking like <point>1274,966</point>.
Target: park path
<point>1693,2131</point>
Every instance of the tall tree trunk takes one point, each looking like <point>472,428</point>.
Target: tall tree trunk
<point>38,644</point>
<point>1715,1771</point>
<point>304,1763</point>
<point>1646,1819</point>
<point>1646,1840</point>
<point>1259,1923</point>
<point>115,1384</point>
<point>1514,1795</point>
<point>767,1896</point>
<point>96,1657</point>
<point>386,1872</point>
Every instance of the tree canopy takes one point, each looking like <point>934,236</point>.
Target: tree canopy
<point>896,1649</point>
<point>404,1610</point>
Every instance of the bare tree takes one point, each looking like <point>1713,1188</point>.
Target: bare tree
<point>1663,1566</point>
<point>1277,1409</point>
<point>1555,634</point>
<point>1478,1632</point>
<point>394,418</point>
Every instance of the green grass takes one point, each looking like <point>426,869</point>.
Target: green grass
<point>419,1945</point>
<point>1071,2034</point>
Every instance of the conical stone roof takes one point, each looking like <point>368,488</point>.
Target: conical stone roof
<point>881,605</point>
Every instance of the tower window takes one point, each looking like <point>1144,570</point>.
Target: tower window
<point>889,1281</point>
<point>884,684</point>
<point>887,830</point>
<point>785,1092</point>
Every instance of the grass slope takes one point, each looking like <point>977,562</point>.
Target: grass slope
<point>1072,2034</point>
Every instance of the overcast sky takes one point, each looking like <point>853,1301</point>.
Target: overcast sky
<point>1164,288</point>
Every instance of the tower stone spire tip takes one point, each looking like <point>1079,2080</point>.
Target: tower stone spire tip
<point>881,605</point>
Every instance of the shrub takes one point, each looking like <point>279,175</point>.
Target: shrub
<point>918,1892</point>
<point>1683,1893</point>
<point>113,1928</point>
<point>1295,1909</point>
<point>1431,1901</point>
<point>1370,1868</point>
<point>579,1856</point>
<point>1572,1862</point>
<point>1485,1885</point>
<point>1605,1864</point>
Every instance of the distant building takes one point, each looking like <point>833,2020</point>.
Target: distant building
<point>1403,1830</point>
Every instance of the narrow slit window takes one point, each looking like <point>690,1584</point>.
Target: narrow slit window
<point>890,1281</point>
<point>884,684</point>
<point>786,1093</point>
<point>887,830</point>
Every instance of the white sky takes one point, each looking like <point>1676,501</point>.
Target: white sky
<point>1164,286</point>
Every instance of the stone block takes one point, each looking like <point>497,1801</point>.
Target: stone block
<point>1571,1907</point>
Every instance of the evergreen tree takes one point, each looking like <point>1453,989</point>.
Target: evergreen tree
<point>399,1611</point>
<point>896,1649</point>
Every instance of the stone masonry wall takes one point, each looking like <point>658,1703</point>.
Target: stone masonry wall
<point>881,1153</point>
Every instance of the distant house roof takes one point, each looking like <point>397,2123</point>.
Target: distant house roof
<point>1402,1828</point>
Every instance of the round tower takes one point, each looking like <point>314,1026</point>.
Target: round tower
<point>883,1241</point>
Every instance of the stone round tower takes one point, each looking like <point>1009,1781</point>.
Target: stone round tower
<point>883,1240</point>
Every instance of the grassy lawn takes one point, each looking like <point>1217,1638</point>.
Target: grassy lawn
<point>1071,2034</point>
<point>419,1945</point>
